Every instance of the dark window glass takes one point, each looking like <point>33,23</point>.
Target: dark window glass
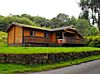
<point>46,35</point>
<point>59,35</point>
<point>32,33</point>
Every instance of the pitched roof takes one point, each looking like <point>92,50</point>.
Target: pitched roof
<point>28,26</point>
<point>41,28</point>
<point>63,28</point>
<point>45,29</point>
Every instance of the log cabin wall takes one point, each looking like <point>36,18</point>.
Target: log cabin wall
<point>39,33</point>
<point>37,37</point>
<point>53,37</point>
<point>26,32</point>
<point>11,36</point>
<point>15,36</point>
<point>18,34</point>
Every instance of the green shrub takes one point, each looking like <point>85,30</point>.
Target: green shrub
<point>3,39</point>
<point>93,41</point>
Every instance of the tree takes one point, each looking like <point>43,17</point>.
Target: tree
<point>43,22</point>
<point>73,21</point>
<point>83,26</point>
<point>6,21</point>
<point>91,8</point>
<point>60,20</point>
<point>56,23</point>
<point>62,17</point>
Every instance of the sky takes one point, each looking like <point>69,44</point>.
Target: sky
<point>44,8</point>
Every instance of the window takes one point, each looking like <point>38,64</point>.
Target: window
<point>32,33</point>
<point>59,35</point>
<point>46,35</point>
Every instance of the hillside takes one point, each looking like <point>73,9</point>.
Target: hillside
<point>3,38</point>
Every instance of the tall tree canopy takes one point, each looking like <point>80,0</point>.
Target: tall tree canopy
<point>60,20</point>
<point>91,10</point>
<point>6,21</point>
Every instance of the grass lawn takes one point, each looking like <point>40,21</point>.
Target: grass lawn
<point>32,50</point>
<point>13,68</point>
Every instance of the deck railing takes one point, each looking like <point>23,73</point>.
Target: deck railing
<point>32,39</point>
<point>72,40</point>
<point>69,40</point>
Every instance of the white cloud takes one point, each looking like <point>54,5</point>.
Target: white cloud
<point>45,8</point>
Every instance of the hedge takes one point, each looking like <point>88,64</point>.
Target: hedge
<point>93,41</point>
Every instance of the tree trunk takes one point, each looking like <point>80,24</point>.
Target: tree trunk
<point>99,22</point>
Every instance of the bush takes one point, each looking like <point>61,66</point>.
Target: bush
<point>3,39</point>
<point>93,41</point>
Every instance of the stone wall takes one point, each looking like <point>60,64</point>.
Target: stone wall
<point>43,58</point>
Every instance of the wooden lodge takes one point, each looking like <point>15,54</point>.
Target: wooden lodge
<point>25,35</point>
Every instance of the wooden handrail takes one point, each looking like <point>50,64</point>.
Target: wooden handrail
<point>34,39</point>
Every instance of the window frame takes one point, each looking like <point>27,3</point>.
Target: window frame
<point>46,35</point>
<point>32,33</point>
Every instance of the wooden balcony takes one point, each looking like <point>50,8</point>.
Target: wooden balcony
<point>72,40</point>
<point>32,39</point>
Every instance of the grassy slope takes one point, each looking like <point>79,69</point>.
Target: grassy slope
<point>12,68</point>
<point>32,50</point>
<point>3,39</point>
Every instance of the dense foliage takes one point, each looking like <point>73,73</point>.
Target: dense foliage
<point>3,38</point>
<point>82,25</point>
<point>93,41</point>
<point>91,10</point>
<point>6,21</point>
